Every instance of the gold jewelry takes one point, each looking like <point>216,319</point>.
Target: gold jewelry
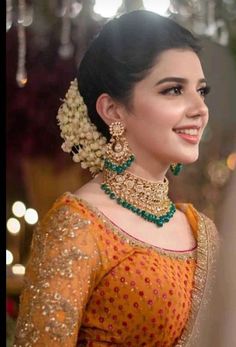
<point>176,168</point>
<point>118,156</point>
<point>147,199</point>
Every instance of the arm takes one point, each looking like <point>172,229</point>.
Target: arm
<point>60,276</point>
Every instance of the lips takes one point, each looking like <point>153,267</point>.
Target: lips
<point>188,133</point>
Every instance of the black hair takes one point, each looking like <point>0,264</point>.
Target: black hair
<point>122,54</point>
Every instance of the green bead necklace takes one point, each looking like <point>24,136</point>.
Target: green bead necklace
<point>149,200</point>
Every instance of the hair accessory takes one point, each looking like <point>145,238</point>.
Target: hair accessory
<point>176,168</point>
<point>81,137</point>
<point>118,156</point>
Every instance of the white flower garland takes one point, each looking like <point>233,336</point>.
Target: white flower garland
<point>81,137</point>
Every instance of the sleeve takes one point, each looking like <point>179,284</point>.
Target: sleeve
<point>60,275</point>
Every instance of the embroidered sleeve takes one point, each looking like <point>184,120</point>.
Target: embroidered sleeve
<point>60,275</point>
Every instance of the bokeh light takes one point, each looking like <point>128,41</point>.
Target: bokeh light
<point>13,225</point>
<point>9,257</point>
<point>159,7</point>
<point>18,209</point>
<point>107,8</point>
<point>31,216</point>
<point>18,269</point>
<point>231,161</point>
<point>218,172</point>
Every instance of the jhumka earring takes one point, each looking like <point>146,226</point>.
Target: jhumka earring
<point>176,168</point>
<point>118,156</point>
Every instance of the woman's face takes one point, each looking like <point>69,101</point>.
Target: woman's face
<point>168,112</point>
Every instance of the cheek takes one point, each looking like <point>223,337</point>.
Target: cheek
<point>154,120</point>
<point>163,119</point>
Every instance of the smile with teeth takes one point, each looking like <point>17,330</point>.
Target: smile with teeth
<point>192,132</point>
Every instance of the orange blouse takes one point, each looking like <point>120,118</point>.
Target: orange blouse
<point>88,283</point>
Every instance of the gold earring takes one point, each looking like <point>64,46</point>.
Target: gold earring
<point>118,156</point>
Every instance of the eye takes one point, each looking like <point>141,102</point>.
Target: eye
<point>204,91</point>
<point>176,90</point>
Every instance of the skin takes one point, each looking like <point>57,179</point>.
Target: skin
<point>157,107</point>
<point>152,115</point>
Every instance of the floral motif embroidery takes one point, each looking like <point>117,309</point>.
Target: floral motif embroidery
<point>62,249</point>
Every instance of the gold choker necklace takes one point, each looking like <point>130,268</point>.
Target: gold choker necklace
<point>147,199</point>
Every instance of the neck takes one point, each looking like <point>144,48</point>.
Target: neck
<point>149,171</point>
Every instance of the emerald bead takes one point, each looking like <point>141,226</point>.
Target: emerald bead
<point>119,168</point>
<point>159,221</point>
<point>112,195</point>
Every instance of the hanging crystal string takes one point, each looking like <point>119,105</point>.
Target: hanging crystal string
<point>219,32</point>
<point>200,16</point>
<point>21,74</point>
<point>66,48</point>
<point>9,15</point>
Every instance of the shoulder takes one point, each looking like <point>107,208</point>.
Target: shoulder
<point>196,217</point>
<point>64,208</point>
<point>201,224</point>
<point>67,221</point>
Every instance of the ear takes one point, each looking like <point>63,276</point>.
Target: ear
<point>109,109</point>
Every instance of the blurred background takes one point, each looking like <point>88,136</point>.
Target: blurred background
<point>45,41</point>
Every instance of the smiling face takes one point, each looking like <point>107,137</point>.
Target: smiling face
<point>168,113</point>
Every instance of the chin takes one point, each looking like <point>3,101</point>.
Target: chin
<point>188,158</point>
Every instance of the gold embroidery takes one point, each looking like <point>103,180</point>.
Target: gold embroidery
<point>50,304</point>
<point>26,334</point>
<point>63,252</point>
<point>131,240</point>
<point>205,256</point>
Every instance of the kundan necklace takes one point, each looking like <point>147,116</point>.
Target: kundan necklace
<point>147,199</point>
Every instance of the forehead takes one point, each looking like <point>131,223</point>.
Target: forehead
<point>177,63</point>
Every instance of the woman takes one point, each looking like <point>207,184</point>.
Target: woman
<point>117,263</point>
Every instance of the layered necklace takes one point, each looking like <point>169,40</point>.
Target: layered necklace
<point>149,200</point>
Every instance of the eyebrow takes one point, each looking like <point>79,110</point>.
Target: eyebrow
<point>179,80</point>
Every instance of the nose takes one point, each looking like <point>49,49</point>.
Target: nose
<point>197,107</point>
